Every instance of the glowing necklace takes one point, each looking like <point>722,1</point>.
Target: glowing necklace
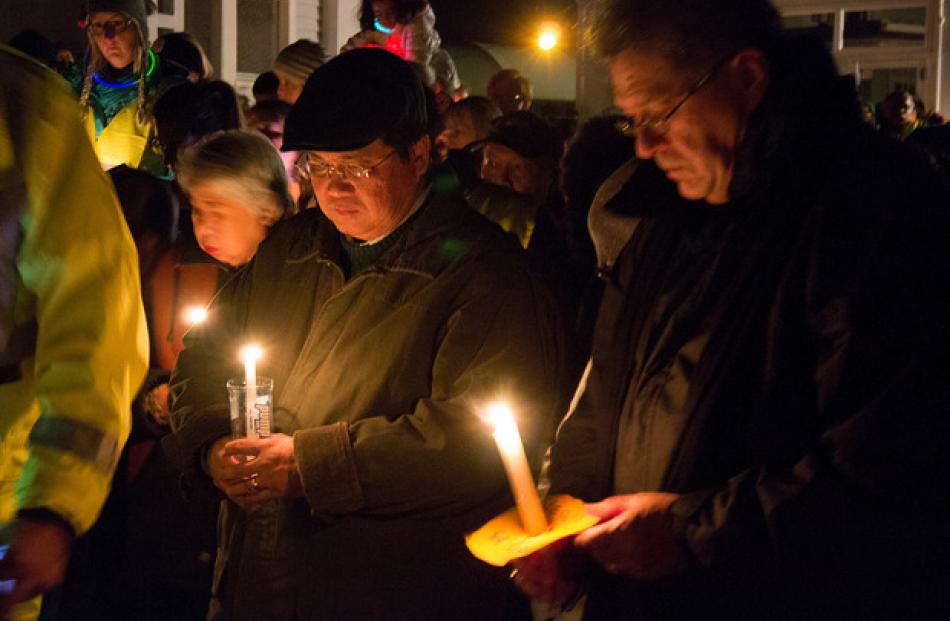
<point>382,28</point>
<point>151,68</point>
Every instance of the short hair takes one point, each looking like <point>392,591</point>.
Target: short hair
<point>247,163</point>
<point>692,34</point>
<point>405,11</point>
<point>481,110</point>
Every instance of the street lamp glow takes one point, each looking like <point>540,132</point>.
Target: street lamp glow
<point>548,38</point>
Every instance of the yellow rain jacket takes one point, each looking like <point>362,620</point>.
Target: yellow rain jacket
<point>126,141</point>
<point>73,342</point>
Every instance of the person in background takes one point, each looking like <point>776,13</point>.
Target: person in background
<point>73,344</point>
<point>119,84</point>
<point>387,317</point>
<point>763,428</point>
<point>187,112</point>
<point>897,115</point>
<point>268,118</point>
<point>510,91</point>
<point>183,51</point>
<point>265,87</point>
<point>293,66</point>
<point>466,121</point>
<point>407,29</point>
<point>522,153</point>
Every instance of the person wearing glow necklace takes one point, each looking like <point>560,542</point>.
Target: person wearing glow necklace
<point>407,29</point>
<point>121,79</point>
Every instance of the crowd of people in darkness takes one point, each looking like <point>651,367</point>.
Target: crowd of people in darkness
<point>720,308</point>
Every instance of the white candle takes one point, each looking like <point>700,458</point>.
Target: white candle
<point>251,354</point>
<point>516,466</point>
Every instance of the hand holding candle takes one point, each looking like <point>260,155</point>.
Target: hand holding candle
<point>516,466</point>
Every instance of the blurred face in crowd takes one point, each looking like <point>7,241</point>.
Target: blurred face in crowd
<point>459,130</point>
<point>503,166</point>
<point>225,228</point>
<point>369,191</point>
<point>697,145</point>
<point>116,37</point>
<point>900,108</point>
<point>509,94</point>
<point>288,89</point>
<point>385,12</point>
<point>274,130</point>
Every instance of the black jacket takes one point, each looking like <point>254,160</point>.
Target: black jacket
<point>779,361</point>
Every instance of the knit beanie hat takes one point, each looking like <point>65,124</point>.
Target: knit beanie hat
<point>136,9</point>
<point>299,59</point>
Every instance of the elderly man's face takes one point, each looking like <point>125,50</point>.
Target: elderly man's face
<point>370,207</point>
<point>697,146</point>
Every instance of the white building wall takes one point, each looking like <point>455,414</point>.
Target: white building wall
<point>308,20</point>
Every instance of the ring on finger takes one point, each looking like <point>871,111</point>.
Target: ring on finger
<point>514,574</point>
<point>254,483</point>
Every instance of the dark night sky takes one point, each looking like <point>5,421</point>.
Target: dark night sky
<point>507,22</point>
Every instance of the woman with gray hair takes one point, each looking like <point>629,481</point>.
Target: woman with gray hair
<point>237,187</point>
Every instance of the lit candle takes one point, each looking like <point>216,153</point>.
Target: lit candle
<point>516,466</point>
<point>195,315</point>
<point>250,354</point>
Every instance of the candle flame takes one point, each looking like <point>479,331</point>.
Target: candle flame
<point>499,414</point>
<point>195,315</point>
<point>251,353</point>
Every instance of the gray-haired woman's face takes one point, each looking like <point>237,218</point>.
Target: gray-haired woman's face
<point>116,38</point>
<point>226,228</point>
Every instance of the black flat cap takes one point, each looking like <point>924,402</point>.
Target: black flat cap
<point>354,99</point>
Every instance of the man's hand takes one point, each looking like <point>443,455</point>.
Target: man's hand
<point>635,536</point>
<point>251,472</point>
<point>36,560</point>
<point>550,574</point>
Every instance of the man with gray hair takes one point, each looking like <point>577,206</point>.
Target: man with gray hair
<point>388,317</point>
<point>764,426</point>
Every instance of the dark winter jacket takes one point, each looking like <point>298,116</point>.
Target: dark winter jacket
<point>780,361</point>
<point>379,379</point>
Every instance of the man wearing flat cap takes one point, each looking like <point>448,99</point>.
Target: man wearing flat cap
<point>387,317</point>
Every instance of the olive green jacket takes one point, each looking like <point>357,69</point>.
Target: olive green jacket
<point>379,380</point>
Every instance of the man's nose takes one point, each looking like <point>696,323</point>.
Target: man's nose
<point>646,143</point>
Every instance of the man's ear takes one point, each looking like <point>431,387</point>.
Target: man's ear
<point>419,155</point>
<point>750,71</point>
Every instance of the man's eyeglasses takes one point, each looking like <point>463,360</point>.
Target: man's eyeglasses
<point>660,125</point>
<point>110,28</point>
<point>314,167</point>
